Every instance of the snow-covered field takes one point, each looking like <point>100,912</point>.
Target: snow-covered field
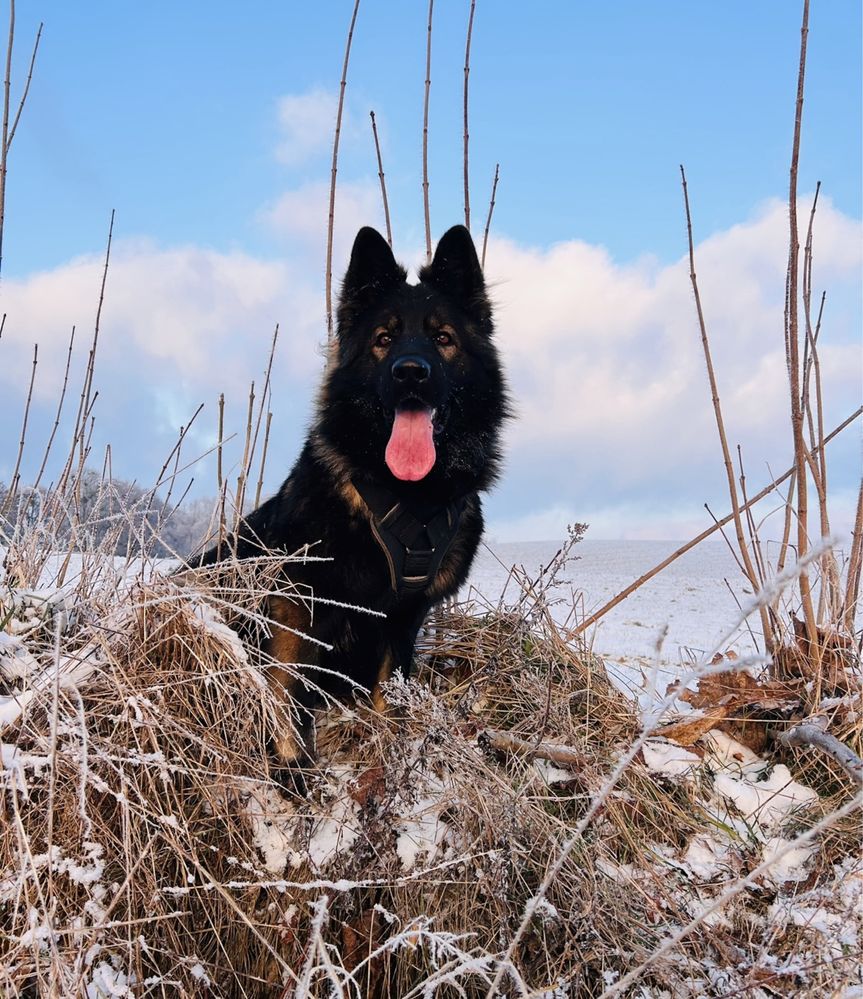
<point>690,596</point>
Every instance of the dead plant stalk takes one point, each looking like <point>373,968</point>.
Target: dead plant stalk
<point>750,572</point>
<point>792,356</point>
<point>426,136</point>
<point>332,209</point>
<point>465,111</point>
<point>382,180</point>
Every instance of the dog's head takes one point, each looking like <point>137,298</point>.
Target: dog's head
<point>414,391</point>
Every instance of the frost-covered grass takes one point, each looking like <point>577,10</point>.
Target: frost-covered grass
<point>473,836</point>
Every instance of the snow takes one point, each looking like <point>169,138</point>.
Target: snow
<point>552,774</point>
<point>669,759</point>
<point>421,834</point>
<point>706,857</point>
<point>333,833</point>
<point>273,822</point>
<point>792,866</point>
<point>755,790</point>
<point>213,623</point>
<point>107,982</point>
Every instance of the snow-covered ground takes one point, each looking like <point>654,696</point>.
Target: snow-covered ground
<point>682,612</point>
<point>690,596</point>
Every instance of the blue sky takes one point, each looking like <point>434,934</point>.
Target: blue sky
<point>174,115</point>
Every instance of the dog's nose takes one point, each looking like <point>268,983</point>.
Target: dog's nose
<point>411,368</point>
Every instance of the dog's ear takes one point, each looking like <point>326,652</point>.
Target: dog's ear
<point>372,271</point>
<point>455,271</point>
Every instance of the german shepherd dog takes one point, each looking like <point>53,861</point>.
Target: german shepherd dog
<point>405,438</point>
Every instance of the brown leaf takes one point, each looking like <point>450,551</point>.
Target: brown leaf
<point>359,938</point>
<point>370,783</point>
<point>721,696</point>
<point>735,690</point>
<point>688,730</point>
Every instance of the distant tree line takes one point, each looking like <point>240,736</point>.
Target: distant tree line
<point>121,516</point>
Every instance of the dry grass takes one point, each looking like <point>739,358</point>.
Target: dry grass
<point>145,845</point>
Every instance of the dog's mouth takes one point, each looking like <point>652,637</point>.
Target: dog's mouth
<point>410,453</point>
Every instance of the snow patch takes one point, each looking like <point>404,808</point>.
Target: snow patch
<point>669,759</point>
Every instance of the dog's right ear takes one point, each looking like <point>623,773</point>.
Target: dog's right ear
<point>372,271</point>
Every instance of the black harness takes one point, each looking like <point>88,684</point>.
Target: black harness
<point>414,540</point>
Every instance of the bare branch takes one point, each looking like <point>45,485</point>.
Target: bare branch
<point>23,100</point>
<point>16,475</point>
<point>466,105</point>
<point>426,136</point>
<point>490,211</point>
<point>4,136</point>
<point>792,354</point>
<point>750,572</point>
<point>811,733</point>
<point>332,211</point>
<point>381,178</point>
<point>59,411</point>
<point>855,562</point>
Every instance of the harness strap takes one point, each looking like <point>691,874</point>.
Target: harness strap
<point>414,542</point>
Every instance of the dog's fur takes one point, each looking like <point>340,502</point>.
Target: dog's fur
<point>440,334</point>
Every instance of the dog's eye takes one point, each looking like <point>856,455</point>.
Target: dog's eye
<point>444,339</point>
<point>383,339</point>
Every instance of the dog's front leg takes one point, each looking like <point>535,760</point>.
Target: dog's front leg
<point>293,734</point>
<point>398,653</point>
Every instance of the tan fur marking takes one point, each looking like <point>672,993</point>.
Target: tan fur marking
<point>385,671</point>
<point>352,497</point>
<point>286,646</point>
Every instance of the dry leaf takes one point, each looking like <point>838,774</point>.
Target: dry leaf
<point>688,730</point>
<point>737,689</point>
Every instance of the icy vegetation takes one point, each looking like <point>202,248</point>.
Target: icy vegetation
<point>518,825</point>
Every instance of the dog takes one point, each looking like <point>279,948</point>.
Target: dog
<point>405,438</point>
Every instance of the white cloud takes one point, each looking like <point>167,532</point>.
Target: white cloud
<point>306,123</point>
<point>184,313</point>
<point>615,425</point>
<point>608,375</point>
<point>301,215</point>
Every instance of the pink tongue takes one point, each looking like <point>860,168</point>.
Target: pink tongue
<point>410,453</point>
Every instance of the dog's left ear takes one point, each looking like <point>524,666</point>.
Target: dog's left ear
<point>372,272</point>
<point>455,271</point>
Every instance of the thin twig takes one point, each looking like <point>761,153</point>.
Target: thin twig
<point>59,411</point>
<point>332,212</point>
<point>26,91</point>
<point>792,357</point>
<point>263,460</point>
<point>240,498</point>
<point>221,484</point>
<point>855,562</point>
<point>16,475</point>
<point>490,211</point>
<point>265,395</point>
<point>754,538</point>
<point>750,572</point>
<point>381,178</point>
<point>466,105</point>
<point>426,136</point>
<point>4,136</point>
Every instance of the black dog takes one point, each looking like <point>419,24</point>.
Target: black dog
<point>406,435</point>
